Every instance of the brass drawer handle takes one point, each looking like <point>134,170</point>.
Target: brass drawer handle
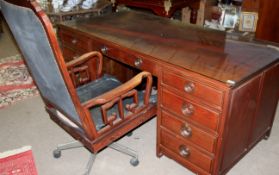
<point>74,41</point>
<point>189,87</point>
<point>138,62</point>
<point>184,151</point>
<point>187,109</point>
<point>104,50</point>
<point>186,131</point>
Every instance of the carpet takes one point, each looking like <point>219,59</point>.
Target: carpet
<point>15,82</point>
<point>18,162</point>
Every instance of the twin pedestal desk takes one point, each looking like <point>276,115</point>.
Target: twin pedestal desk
<point>216,97</point>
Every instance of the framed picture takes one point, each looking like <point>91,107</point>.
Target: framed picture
<point>248,21</point>
<point>229,18</point>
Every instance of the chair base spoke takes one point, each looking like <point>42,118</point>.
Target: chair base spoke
<point>70,145</point>
<point>125,150</point>
<point>90,164</point>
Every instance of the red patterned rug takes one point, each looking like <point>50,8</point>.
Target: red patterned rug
<point>18,162</point>
<point>15,82</point>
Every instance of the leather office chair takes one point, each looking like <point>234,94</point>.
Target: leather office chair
<point>93,108</point>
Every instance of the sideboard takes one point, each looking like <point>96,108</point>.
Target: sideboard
<point>165,8</point>
<point>216,97</point>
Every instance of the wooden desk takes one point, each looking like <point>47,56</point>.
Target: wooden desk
<point>216,97</point>
<point>163,8</point>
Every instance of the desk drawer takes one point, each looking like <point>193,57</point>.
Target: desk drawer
<point>193,88</point>
<point>123,55</point>
<point>70,54</point>
<point>189,110</point>
<point>78,42</point>
<point>186,151</point>
<point>188,132</point>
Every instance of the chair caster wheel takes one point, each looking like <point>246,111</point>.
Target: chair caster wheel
<point>57,153</point>
<point>134,161</point>
<point>129,134</point>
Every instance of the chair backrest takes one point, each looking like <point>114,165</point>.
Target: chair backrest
<point>33,41</point>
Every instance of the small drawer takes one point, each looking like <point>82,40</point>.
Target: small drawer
<point>184,150</point>
<point>188,132</point>
<point>124,56</point>
<point>77,42</point>
<point>70,54</point>
<point>193,88</point>
<point>189,110</point>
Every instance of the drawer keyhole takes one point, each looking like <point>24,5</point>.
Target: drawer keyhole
<point>187,109</point>
<point>74,41</point>
<point>184,151</point>
<point>189,87</point>
<point>186,131</point>
<point>138,62</point>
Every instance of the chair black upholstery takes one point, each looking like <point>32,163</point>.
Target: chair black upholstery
<point>100,86</point>
<point>33,42</point>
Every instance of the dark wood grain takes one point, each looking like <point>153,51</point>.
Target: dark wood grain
<point>268,24</point>
<point>265,110</point>
<point>243,108</point>
<point>251,5</point>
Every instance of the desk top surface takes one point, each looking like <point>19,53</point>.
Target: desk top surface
<point>206,52</point>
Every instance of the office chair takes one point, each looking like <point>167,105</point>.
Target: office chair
<point>93,108</point>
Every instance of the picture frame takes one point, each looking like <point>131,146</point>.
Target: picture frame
<point>229,18</point>
<point>248,21</point>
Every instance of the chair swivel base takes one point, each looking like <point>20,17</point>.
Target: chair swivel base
<point>118,147</point>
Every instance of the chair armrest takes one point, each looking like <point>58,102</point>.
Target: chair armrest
<point>122,90</point>
<point>83,69</point>
<point>84,58</point>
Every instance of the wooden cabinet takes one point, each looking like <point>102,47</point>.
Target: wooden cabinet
<point>204,127</point>
<point>268,24</point>
<point>216,97</point>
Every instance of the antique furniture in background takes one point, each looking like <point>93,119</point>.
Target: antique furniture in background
<point>164,8</point>
<point>101,7</point>
<point>93,108</point>
<point>268,24</point>
<point>216,97</point>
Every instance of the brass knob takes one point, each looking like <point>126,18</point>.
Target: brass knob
<point>184,151</point>
<point>187,109</point>
<point>104,50</point>
<point>186,130</point>
<point>74,41</point>
<point>189,87</point>
<point>138,62</point>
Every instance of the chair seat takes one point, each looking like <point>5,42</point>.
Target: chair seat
<point>97,87</point>
<point>101,86</point>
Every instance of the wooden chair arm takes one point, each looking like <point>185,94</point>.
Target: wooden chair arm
<point>123,89</point>
<point>86,57</point>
